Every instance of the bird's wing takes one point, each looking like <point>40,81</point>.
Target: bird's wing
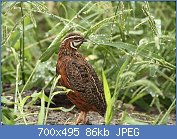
<point>84,80</point>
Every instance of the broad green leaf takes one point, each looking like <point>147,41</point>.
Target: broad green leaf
<point>147,83</point>
<point>106,89</point>
<point>98,25</point>
<point>132,48</point>
<point>127,119</point>
<point>41,114</point>
<point>24,100</point>
<point>107,93</point>
<point>54,46</point>
<point>8,116</point>
<point>138,96</point>
<point>55,81</point>
<point>5,101</point>
<point>63,109</point>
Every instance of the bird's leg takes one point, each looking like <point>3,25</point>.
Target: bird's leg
<point>84,117</point>
<point>79,119</point>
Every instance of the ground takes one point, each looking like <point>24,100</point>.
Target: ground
<point>56,117</point>
<point>59,117</point>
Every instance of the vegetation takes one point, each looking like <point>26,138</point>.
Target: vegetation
<point>131,45</point>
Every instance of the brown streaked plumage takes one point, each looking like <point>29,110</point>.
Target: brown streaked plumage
<point>77,74</point>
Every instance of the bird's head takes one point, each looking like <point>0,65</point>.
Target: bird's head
<point>73,40</point>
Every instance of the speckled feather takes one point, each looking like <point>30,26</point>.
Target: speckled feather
<point>78,75</point>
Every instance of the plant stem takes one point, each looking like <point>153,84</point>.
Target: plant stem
<point>22,47</point>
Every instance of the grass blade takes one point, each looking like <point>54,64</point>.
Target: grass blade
<point>107,93</point>
<point>41,114</point>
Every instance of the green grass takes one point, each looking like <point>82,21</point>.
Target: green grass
<point>131,45</point>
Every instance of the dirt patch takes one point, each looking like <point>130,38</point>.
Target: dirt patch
<point>58,117</point>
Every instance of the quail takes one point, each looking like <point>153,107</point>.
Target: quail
<point>79,76</point>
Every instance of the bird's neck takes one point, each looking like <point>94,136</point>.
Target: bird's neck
<point>66,50</point>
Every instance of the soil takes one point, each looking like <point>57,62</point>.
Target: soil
<point>56,117</point>
<point>59,117</point>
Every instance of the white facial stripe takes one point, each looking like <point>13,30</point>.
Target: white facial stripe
<point>72,46</point>
<point>76,43</point>
<point>70,38</point>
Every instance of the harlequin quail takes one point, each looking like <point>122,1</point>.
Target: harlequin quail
<point>79,76</point>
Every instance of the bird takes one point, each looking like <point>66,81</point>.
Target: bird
<point>78,75</point>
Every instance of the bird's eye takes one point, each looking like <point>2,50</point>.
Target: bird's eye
<point>79,40</point>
